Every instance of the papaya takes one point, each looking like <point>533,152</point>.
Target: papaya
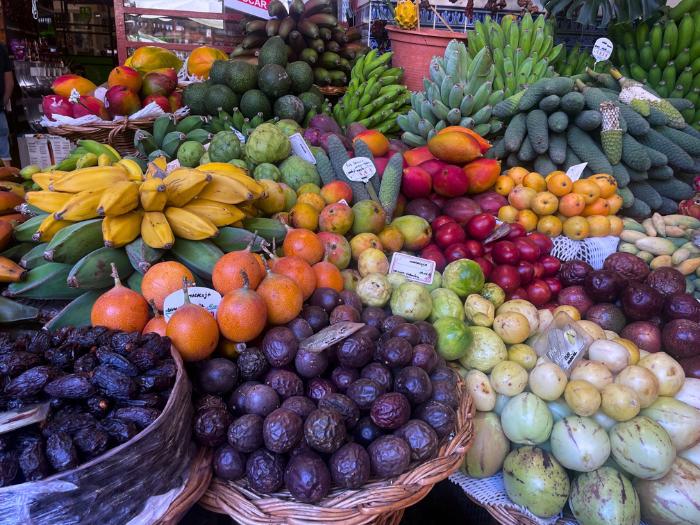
<point>65,84</point>
<point>201,59</point>
<point>454,147</point>
<point>148,58</point>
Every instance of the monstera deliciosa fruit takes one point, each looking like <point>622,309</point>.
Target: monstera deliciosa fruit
<point>586,11</point>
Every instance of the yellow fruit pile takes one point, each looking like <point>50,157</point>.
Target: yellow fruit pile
<point>555,204</point>
<point>187,203</point>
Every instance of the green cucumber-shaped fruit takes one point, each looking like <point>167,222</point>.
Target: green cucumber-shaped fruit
<point>634,154</point>
<point>34,257</point>
<point>587,150</point>
<point>537,130</point>
<point>557,148</point>
<point>690,144</point>
<point>391,185</point>
<point>588,120</point>
<point>14,312</point>
<point>268,229</point>
<point>76,313</point>
<point>198,256</point>
<point>621,175</point>
<point>677,157</point>
<point>75,241</point>
<point>231,239</point>
<point>46,282</point>
<point>94,272</point>
<point>526,153</point>
<point>558,121</point>
<point>515,132</point>
<point>323,166</point>
<point>141,255</point>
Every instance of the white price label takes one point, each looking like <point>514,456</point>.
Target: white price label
<point>343,201</point>
<point>301,149</point>
<point>205,297</point>
<point>359,169</point>
<point>413,268</point>
<point>172,165</point>
<point>240,135</point>
<point>575,171</point>
<point>602,49</point>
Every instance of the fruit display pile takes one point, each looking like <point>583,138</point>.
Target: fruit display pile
<point>103,387</point>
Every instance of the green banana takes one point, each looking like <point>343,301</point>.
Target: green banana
<point>94,272</point>
<point>200,135</point>
<point>171,143</point>
<point>141,256</point>
<point>14,312</point>
<point>161,127</point>
<point>199,256</point>
<point>47,281</point>
<point>34,257</point>
<point>144,142</point>
<point>76,313</point>
<point>24,232</point>
<point>75,241</point>
<point>17,251</point>
<point>189,123</point>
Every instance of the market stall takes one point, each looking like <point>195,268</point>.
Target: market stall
<point>288,288</point>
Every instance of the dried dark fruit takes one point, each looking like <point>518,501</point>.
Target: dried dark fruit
<point>356,351</point>
<point>324,430</point>
<point>422,439</point>
<point>70,420</point>
<point>441,417</point>
<point>282,430</point>
<point>414,383</point>
<point>229,463</point>
<point>343,376</point>
<point>285,382</point>
<point>61,452</point>
<point>245,434</point>
<point>237,400</point>
<point>124,342</point>
<point>14,363</point>
<point>61,357</point>
<point>116,361</point>
<point>310,364</point>
<point>252,364</point>
<point>318,387</point>
<point>118,430</point>
<point>261,400</point>
<point>144,358</point>
<point>342,404</point>
<point>265,471</point>
<point>8,468</point>
<point>140,416</point>
<point>39,342</point>
<point>71,386</point>
<point>210,426</point>
<point>379,373</point>
<point>350,466</point>
<point>217,376</point>
<point>91,441</point>
<point>307,478</point>
<point>364,392</point>
<point>85,363</point>
<point>300,405</point>
<point>279,346</point>
<point>32,461</point>
<point>113,383</point>
<point>166,368</point>
<point>98,406</point>
<point>365,431</point>
<point>31,382</point>
<point>207,401</point>
<point>389,456</point>
<point>390,411</point>
<point>407,331</point>
<point>148,383</point>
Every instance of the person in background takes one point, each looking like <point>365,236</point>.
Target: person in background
<point>6,86</point>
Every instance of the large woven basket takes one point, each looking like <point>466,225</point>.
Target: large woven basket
<point>379,502</point>
<point>119,133</point>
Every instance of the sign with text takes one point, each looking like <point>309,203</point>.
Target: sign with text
<point>602,49</point>
<point>413,268</point>
<point>301,149</point>
<point>205,297</point>
<point>359,169</point>
<point>252,7</point>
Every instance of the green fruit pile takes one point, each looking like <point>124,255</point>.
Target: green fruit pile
<point>522,51</point>
<point>664,54</point>
<point>560,122</point>
<point>573,61</point>
<point>168,136</point>
<point>375,96</point>
<point>310,33</point>
<point>459,92</point>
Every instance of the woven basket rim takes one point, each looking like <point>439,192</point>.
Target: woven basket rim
<point>510,516</point>
<point>333,90</point>
<point>99,126</point>
<point>348,506</point>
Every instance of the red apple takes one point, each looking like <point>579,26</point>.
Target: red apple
<point>486,266</point>
<point>526,272</point>
<point>448,234</point>
<point>516,230</point>
<point>551,265</point>
<point>56,105</point>
<point>554,285</point>
<point>505,252</point>
<point>440,220</point>
<point>506,276</point>
<point>520,293</point>
<point>543,241</point>
<point>474,248</point>
<point>456,251</point>
<point>539,269</point>
<point>528,250</point>
<point>433,253</point>
<point>451,181</point>
<point>480,226</point>
<point>416,183</point>
<point>539,293</point>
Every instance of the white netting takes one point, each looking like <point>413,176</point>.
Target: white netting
<point>593,250</point>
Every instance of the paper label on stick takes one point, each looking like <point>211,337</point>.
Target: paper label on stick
<point>240,135</point>
<point>413,268</point>
<point>574,172</point>
<point>602,49</point>
<point>359,169</point>
<point>329,336</point>
<point>301,149</point>
<point>172,165</point>
<point>205,297</point>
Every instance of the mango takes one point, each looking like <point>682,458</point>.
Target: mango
<point>454,147</point>
<point>65,84</point>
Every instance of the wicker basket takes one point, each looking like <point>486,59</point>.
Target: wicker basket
<point>114,487</point>
<point>333,91</point>
<point>119,133</point>
<point>509,516</point>
<point>379,502</point>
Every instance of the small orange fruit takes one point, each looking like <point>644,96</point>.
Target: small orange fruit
<point>606,183</point>
<point>559,183</point>
<point>508,214</point>
<point>312,199</point>
<point>571,204</point>
<point>615,203</point>
<point>576,228</point>
<point>598,207</point>
<point>298,270</point>
<point>616,225</point>
<point>328,276</point>
<point>588,189</point>
<point>599,225</point>
<point>528,219</point>
<point>305,244</point>
<point>521,197</point>
<point>545,203</point>
<point>552,174</point>
<point>517,174</point>
<point>504,185</point>
<point>549,225</point>
<point>535,181</point>
<point>304,215</point>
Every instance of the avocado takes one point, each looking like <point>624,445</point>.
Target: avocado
<point>311,101</point>
<point>220,98</point>
<point>289,107</point>
<point>274,51</point>
<point>241,76</point>
<point>195,96</point>
<point>218,71</point>
<point>253,102</point>
<point>274,81</point>
<point>301,75</point>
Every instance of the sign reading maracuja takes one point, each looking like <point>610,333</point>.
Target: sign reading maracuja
<point>252,7</point>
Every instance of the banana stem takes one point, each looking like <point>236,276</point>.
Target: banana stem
<point>185,289</point>
<point>615,73</point>
<point>115,275</point>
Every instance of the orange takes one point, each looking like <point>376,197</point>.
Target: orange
<point>588,189</point>
<point>559,183</point>
<point>545,203</point>
<point>304,215</point>
<point>508,214</point>
<point>598,207</point>
<point>528,219</point>
<point>606,183</point>
<point>305,244</point>
<point>599,225</point>
<point>517,174</point>
<point>616,225</point>
<point>328,276</point>
<point>312,199</point>
<point>504,185</point>
<point>535,181</point>
<point>571,204</point>
<point>549,225</point>
<point>576,228</point>
<point>615,203</point>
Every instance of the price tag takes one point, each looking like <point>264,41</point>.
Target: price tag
<point>240,135</point>
<point>172,165</point>
<point>574,172</point>
<point>602,49</point>
<point>359,169</point>
<point>205,297</point>
<point>301,149</point>
<point>343,201</point>
<point>329,336</point>
<point>413,268</point>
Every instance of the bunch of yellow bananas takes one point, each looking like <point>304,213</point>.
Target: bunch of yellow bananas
<point>187,203</point>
